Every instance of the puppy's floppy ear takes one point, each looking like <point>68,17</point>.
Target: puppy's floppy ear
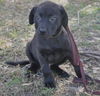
<point>31,15</point>
<point>64,16</point>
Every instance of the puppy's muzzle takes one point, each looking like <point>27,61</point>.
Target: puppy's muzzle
<point>42,30</point>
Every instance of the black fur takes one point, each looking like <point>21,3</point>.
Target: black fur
<point>50,47</point>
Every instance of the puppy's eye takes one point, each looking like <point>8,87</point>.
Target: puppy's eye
<point>52,19</point>
<point>38,18</point>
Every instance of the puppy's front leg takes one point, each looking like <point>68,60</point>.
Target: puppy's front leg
<point>48,77</point>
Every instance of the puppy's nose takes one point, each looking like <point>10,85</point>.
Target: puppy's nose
<point>42,30</point>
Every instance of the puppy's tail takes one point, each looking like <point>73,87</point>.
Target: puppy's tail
<point>22,63</point>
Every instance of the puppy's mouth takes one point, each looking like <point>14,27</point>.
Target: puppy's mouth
<point>55,35</point>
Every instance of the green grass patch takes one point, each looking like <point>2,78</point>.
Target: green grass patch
<point>86,33</point>
<point>90,10</point>
<point>72,9</point>
<point>83,94</point>
<point>14,81</point>
<point>85,43</point>
<point>46,91</point>
<point>1,1</point>
<point>2,42</point>
<point>13,34</point>
<point>96,26</point>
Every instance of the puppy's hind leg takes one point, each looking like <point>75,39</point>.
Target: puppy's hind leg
<point>59,71</point>
<point>34,67</point>
<point>34,63</point>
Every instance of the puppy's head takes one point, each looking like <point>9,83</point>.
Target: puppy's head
<point>48,18</point>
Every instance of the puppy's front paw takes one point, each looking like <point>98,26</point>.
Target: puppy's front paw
<point>50,83</point>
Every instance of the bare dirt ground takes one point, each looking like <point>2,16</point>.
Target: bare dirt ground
<point>14,24</point>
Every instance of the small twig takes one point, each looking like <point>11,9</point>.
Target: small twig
<point>89,55</point>
<point>95,54</point>
<point>27,84</point>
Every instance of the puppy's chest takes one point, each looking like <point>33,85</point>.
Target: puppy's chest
<point>54,55</point>
<point>54,50</point>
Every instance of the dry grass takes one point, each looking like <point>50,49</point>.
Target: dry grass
<point>14,24</point>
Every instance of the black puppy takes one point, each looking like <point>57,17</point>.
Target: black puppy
<point>50,46</point>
